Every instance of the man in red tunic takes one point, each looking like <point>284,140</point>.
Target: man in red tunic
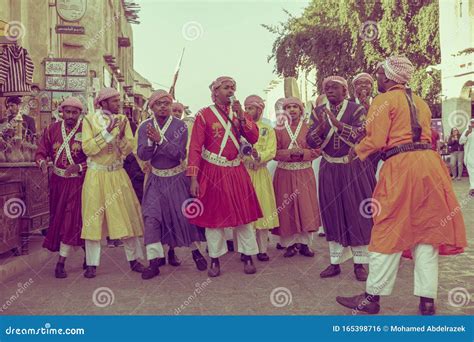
<point>220,183</point>
<point>62,144</point>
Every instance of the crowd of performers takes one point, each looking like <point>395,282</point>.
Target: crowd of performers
<point>195,190</point>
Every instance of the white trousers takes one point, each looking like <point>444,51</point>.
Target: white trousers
<point>65,250</point>
<point>156,250</point>
<point>262,240</point>
<point>383,270</point>
<point>132,246</point>
<point>470,171</point>
<point>340,254</point>
<point>303,238</point>
<point>245,236</point>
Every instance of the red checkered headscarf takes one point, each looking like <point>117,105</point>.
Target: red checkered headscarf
<point>293,100</point>
<point>178,105</point>
<point>217,83</point>
<point>157,95</point>
<point>71,102</point>
<point>398,69</point>
<point>363,76</point>
<point>254,100</point>
<point>105,94</point>
<point>337,79</point>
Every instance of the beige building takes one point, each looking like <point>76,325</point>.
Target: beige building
<point>98,38</point>
<point>457,62</point>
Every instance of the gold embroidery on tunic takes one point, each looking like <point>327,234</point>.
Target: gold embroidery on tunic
<point>217,129</point>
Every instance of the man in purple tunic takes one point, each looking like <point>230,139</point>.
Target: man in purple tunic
<point>162,141</point>
<point>345,189</point>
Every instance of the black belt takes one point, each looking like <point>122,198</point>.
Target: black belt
<point>405,148</point>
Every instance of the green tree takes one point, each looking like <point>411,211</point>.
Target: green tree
<point>351,36</point>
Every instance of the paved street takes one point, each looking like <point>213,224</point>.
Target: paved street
<point>186,291</point>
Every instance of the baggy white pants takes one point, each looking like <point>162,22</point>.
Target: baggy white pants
<point>132,246</point>
<point>303,238</point>
<point>245,236</point>
<point>383,270</point>
<point>65,250</point>
<point>340,254</point>
<point>262,240</point>
<point>156,250</point>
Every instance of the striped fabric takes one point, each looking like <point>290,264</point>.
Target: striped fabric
<point>16,71</point>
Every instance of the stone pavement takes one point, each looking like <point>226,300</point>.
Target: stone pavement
<point>280,287</point>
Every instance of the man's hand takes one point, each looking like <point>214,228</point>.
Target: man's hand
<point>237,109</point>
<point>194,187</point>
<point>352,155</point>
<point>255,155</point>
<point>121,125</point>
<point>469,131</point>
<point>72,169</point>
<point>296,153</point>
<point>43,167</point>
<point>333,119</point>
<point>153,134</point>
<point>112,124</point>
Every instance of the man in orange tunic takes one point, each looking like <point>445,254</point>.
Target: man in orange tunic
<point>414,194</point>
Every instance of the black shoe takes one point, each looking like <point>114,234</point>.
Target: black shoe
<point>263,257</point>
<point>360,303</point>
<point>110,243</point>
<point>215,269</point>
<point>135,266</point>
<point>172,259</point>
<point>201,263</point>
<point>249,267</point>
<point>321,234</point>
<point>280,247</point>
<point>242,257</point>
<point>90,272</point>
<point>306,251</point>
<point>330,271</point>
<point>360,272</point>
<point>290,252</point>
<point>60,272</point>
<point>118,243</point>
<point>161,262</point>
<point>152,270</point>
<point>427,306</point>
<point>230,245</point>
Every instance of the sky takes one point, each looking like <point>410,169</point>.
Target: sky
<point>220,37</point>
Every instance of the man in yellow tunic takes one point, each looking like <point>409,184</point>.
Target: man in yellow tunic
<point>414,199</point>
<point>263,151</point>
<point>110,205</point>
